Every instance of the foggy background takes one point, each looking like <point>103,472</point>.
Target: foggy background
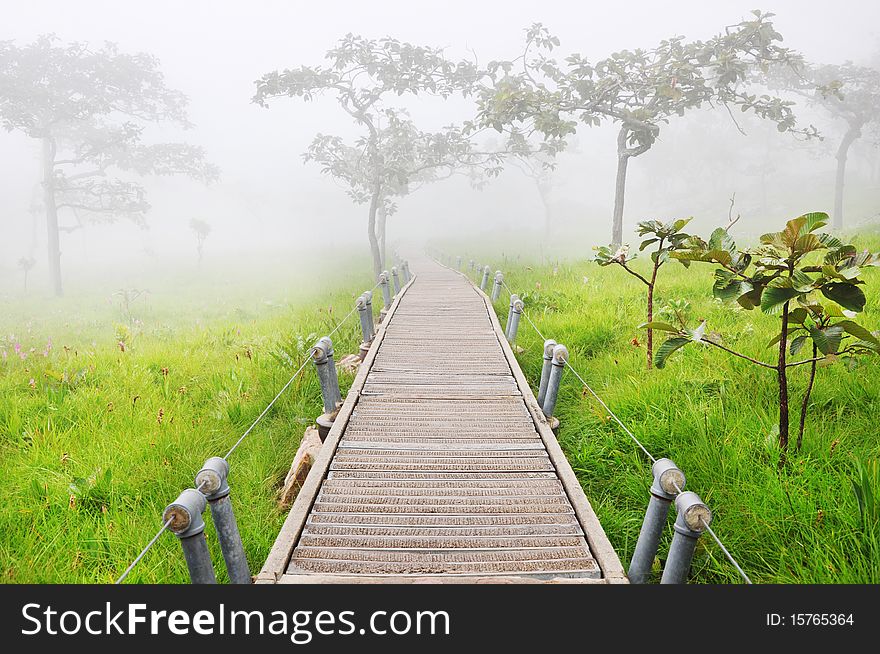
<point>268,202</point>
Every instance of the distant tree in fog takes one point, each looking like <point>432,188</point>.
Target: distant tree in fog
<point>89,108</point>
<point>393,156</point>
<point>26,264</point>
<point>201,230</point>
<point>851,95</point>
<point>637,90</point>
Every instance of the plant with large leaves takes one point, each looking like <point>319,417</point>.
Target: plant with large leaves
<point>668,238</point>
<point>807,278</point>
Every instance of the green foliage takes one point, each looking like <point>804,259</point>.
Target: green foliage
<point>715,416</point>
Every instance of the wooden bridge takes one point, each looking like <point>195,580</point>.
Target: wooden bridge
<point>440,465</point>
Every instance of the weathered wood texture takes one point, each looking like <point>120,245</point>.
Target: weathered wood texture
<point>440,467</point>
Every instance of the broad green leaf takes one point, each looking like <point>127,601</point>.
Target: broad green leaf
<point>847,295</point>
<point>678,224</point>
<point>797,316</point>
<point>796,344</point>
<point>721,240</point>
<point>668,347</point>
<point>647,242</point>
<point>777,293</point>
<point>855,329</point>
<point>828,339</point>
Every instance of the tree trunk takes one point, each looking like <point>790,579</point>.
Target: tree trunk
<point>371,234</point>
<point>782,375</point>
<point>851,135</point>
<point>53,236</point>
<point>619,192</point>
<point>800,439</point>
<point>383,218</point>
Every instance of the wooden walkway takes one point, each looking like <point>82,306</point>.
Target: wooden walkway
<point>440,466</point>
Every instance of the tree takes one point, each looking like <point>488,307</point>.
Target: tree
<point>26,264</point>
<point>391,153</point>
<point>637,90</point>
<point>849,93</point>
<point>815,298</point>
<point>668,238</point>
<point>201,229</point>
<point>401,159</point>
<point>89,108</point>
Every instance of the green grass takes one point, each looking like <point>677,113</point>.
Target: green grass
<point>96,441</point>
<point>715,416</point>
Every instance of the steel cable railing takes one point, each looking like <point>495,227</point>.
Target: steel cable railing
<point>240,440</point>
<point>632,436</point>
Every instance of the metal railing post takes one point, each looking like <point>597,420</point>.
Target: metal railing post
<point>188,525</point>
<point>361,306</point>
<point>549,344</point>
<point>515,315</point>
<point>668,479</point>
<point>458,263</point>
<point>368,296</point>
<point>513,298</point>
<point>396,279</point>
<point>560,356</point>
<point>496,289</point>
<point>693,517</point>
<point>471,265</point>
<point>485,282</point>
<point>322,357</point>
<point>384,284</point>
<point>212,480</point>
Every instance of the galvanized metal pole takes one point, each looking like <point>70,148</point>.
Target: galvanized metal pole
<point>515,315</point>
<point>212,479</point>
<point>396,278</point>
<point>668,479</point>
<point>549,344</point>
<point>368,296</point>
<point>496,289</point>
<point>188,525</point>
<point>513,298</point>
<point>560,356</point>
<point>692,519</point>
<point>361,306</point>
<point>485,283</point>
<point>384,280</point>
<point>334,378</point>
<point>322,357</point>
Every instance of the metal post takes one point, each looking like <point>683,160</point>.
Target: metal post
<point>458,263</point>
<point>549,344</point>
<point>212,479</point>
<point>478,270</point>
<point>485,283</point>
<point>406,275</point>
<point>513,298</point>
<point>515,315</point>
<point>693,517</point>
<point>560,356</point>
<point>496,289</point>
<point>188,525</point>
<point>322,357</point>
<point>668,479</point>
<point>334,378</point>
<point>471,265</point>
<point>384,280</point>
<point>396,278</point>
<point>361,306</point>
<point>368,296</point>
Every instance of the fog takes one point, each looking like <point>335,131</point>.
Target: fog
<point>268,203</point>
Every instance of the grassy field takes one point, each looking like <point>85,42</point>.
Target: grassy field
<point>714,415</point>
<point>110,401</point>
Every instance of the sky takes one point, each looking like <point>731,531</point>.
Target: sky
<point>267,197</point>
